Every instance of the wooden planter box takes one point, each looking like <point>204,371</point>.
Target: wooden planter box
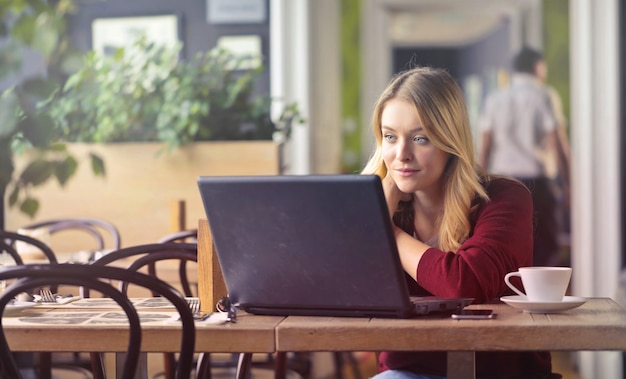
<point>140,187</point>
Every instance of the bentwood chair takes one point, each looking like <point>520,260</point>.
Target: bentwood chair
<point>98,278</point>
<point>85,238</point>
<point>188,236</point>
<point>205,363</point>
<point>9,244</point>
<point>102,235</point>
<point>10,239</point>
<point>148,257</point>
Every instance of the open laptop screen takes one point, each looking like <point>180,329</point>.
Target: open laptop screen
<point>315,244</point>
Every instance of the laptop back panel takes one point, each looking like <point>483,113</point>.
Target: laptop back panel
<point>309,245</point>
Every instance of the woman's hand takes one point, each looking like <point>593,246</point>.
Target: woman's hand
<point>393,195</point>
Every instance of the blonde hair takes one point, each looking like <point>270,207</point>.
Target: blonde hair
<point>440,105</point>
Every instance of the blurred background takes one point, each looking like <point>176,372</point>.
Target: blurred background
<point>331,58</point>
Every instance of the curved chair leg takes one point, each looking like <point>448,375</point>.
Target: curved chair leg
<point>97,365</point>
<point>203,367</point>
<point>243,366</point>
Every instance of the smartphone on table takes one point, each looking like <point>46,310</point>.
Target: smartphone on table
<point>473,314</point>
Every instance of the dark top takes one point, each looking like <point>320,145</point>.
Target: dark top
<point>500,242</point>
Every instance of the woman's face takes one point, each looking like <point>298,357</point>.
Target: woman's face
<point>413,162</point>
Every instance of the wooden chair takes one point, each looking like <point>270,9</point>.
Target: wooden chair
<point>9,239</point>
<point>204,362</point>
<point>97,230</point>
<point>103,234</point>
<point>189,236</point>
<point>97,278</point>
<point>146,257</point>
<point>8,244</point>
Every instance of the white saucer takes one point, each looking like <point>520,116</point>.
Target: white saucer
<point>521,302</point>
<point>17,307</point>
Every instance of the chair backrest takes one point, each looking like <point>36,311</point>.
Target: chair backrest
<point>100,230</point>
<point>96,277</point>
<point>149,254</point>
<point>189,236</point>
<point>9,239</point>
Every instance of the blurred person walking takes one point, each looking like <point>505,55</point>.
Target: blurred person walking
<point>522,136</point>
<point>558,162</point>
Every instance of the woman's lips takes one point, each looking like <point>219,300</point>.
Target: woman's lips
<point>405,172</point>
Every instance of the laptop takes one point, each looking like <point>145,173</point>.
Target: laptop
<point>318,245</point>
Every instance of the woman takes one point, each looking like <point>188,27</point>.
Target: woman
<point>458,231</point>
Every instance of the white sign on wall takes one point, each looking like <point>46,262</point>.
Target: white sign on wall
<point>235,11</point>
<point>247,48</point>
<point>112,33</point>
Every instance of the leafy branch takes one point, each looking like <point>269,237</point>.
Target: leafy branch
<point>33,29</point>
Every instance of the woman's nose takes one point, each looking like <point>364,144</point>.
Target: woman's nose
<point>404,152</point>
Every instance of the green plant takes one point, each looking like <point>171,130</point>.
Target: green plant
<point>37,27</point>
<point>146,93</point>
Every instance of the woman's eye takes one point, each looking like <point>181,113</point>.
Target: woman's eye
<point>420,139</point>
<point>389,137</point>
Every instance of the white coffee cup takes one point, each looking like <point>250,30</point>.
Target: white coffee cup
<point>542,284</point>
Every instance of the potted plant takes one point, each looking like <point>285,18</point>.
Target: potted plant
<point>147,94</point>
<point>158,122</point>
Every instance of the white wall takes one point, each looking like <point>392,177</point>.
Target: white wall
<point>596,231</point>
<point>290,74</point>
<point>306,67</point>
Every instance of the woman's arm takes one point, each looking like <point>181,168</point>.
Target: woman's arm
<point>501,242</point>
<point>409,248</point>
<point>411,251</point>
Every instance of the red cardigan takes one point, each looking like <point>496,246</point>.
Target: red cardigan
<point>500,242</point>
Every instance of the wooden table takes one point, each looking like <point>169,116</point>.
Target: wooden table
<point>254,334</point>
<point>599,324</point>
<point>249,334</point>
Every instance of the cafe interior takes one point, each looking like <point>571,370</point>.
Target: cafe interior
<point>319,65</point>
